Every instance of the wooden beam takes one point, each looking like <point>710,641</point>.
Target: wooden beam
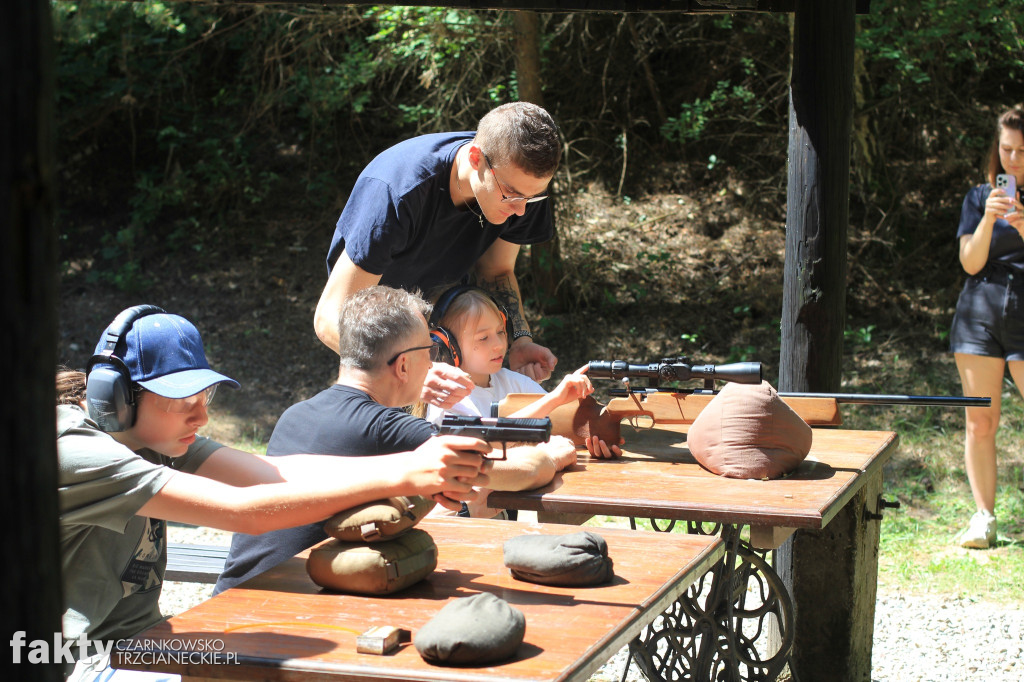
<point>30,601</point>
<point>620,6</point>
<point>834,583</point>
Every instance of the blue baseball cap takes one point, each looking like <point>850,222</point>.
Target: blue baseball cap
<point>164,354</point>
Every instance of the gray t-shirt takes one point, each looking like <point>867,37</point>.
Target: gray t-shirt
<point>113,560</point>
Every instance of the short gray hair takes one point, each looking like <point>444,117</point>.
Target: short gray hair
<point>374,321</point>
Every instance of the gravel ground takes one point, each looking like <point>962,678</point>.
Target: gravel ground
<point>926,639</point>
<point>917,638</point>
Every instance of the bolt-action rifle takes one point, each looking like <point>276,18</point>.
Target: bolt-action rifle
<point>655,404</point>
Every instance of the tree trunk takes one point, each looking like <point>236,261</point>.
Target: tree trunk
<point>645,64</point>
<point>546,270</point>
<point>867,163</point>
<point>31,569</point>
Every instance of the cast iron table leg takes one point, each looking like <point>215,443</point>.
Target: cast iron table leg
<point>718,629</point>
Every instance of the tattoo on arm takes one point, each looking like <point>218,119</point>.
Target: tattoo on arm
<point>503,291</point>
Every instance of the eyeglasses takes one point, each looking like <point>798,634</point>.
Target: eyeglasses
<point>507,199</point>
<point>407,350</point>
<point>182,405</point>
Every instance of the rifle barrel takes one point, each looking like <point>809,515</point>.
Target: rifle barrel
<point>881,399</point>
<point>849,398</point>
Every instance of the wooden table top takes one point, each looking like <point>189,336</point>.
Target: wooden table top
<point>657,477</point>
<point>281,626</point>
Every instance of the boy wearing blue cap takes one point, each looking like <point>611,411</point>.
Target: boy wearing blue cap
<point>130,458</point>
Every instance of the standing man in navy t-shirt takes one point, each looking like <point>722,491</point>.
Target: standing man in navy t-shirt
<point>438,208</point>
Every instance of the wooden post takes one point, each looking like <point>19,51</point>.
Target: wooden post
<point>834,583</point>
<point>831,574</point>
<point>820,115</point>
<point>30,601</point>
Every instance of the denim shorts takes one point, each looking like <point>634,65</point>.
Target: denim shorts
<point>989,318</point>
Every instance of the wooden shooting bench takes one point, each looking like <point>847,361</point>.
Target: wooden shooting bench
<point>281,626</point>
<point>739,622</point>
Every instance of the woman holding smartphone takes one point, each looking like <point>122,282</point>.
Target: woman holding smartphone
<point>988,328</point>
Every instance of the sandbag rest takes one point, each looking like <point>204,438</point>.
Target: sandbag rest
<point>748,431</point>
<point>378,520</point>
<point>484,628</point>
<point>374,548</point>
<point>472,631</point>
<point>573,559</point>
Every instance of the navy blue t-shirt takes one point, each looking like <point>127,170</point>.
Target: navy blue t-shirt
<point>400,222</point>
<point>1006,247</point>
<point>340,420</point>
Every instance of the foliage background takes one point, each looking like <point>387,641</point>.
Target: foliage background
<point>215,144</point>
<point>206,150</point>
<point>177,116</point>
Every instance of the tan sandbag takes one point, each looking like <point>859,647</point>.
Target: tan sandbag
<point>747,431</point>
<point>378,520</point>
<point>378,568</point>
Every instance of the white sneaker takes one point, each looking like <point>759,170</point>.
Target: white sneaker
<point>981,533</point>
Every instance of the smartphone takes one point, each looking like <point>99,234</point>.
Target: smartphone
<point>1008,184</point>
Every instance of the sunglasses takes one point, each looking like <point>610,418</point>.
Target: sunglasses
<point>407,350</point>
<point>182,405</point>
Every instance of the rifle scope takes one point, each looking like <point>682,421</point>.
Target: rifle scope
<point>674,370</point>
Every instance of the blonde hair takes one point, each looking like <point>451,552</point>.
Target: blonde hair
<point>469,305</point>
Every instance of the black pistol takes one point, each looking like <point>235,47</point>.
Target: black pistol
<point>502,430</point>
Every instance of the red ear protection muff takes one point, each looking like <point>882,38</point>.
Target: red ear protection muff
<point>446,348</point>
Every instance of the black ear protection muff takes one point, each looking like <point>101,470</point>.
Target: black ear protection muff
<point>108,389</point>
<point>446,347</point>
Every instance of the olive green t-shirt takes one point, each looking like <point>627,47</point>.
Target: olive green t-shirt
<point>113,560</point>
